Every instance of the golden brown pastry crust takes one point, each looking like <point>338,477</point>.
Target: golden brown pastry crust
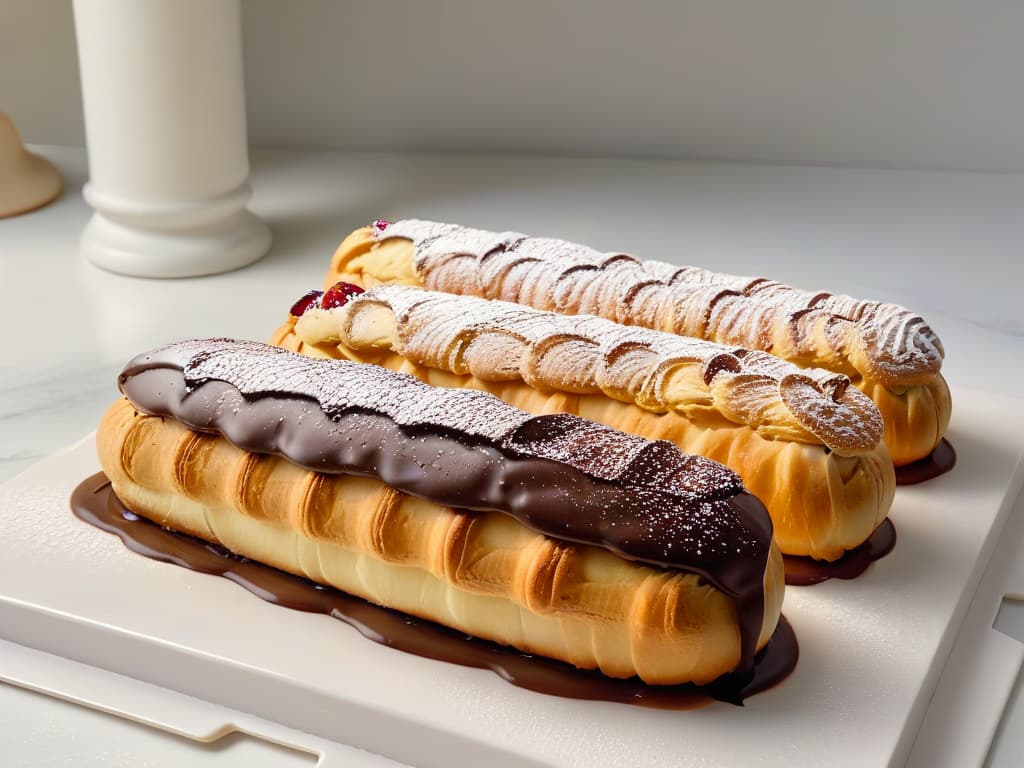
<point>916,418</point>
<point>821,504</point>
<point>916,412</point>
<point>482,573</point>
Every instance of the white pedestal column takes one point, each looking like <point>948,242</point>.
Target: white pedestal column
<point>165,127</point>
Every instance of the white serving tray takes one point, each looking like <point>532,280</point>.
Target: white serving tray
<point>871,649</point>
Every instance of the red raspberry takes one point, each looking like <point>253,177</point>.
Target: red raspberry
<point>339,294</point>
<point>299,307</point>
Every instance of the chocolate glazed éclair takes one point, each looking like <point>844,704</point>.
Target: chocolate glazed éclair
<point>94,502</point>
<point>563,476</point>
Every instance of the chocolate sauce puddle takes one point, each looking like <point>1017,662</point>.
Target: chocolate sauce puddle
<point>936,463</point>
<point>94,502</point>
<point>804,571</point>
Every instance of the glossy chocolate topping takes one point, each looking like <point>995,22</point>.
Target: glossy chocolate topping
<point>563,476</point>
<point>94,502</point>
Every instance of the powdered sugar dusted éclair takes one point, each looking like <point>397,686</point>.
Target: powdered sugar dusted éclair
<point>583,354</point>
<point>878,341</point>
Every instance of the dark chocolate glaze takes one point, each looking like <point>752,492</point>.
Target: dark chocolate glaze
<point>563,476</point>
<point>94,502</point>
<point>804,571</point>
<point>938,462</point>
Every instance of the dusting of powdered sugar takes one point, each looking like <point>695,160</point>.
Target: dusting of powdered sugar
<point>898,345</point>
<point>492,338</point>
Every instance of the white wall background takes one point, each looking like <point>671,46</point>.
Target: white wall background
<point>876,83</point>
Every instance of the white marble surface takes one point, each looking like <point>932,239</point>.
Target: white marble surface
<point>945,244</point>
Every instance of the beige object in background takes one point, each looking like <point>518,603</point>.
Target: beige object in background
<point>27,181</point>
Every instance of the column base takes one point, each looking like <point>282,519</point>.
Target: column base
<point>228,244</point>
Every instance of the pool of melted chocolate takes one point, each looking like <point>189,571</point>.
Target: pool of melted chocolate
<point>94,502</point>
<point>936,463</point>
<point>804,571</point>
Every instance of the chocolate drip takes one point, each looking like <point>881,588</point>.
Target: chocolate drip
<point>94,502</point>
<point>565,477</point>
<point>938,462</point>
<point>804,571</point>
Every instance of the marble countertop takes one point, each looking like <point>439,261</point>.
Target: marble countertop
<point>948,245</point>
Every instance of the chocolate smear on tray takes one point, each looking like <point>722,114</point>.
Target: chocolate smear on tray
<point>804,571</point>
<point>938,462</point>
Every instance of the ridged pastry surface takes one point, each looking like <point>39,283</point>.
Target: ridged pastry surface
<point>886,342</point>
<point>497,340</point>
<point>481,573</point>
